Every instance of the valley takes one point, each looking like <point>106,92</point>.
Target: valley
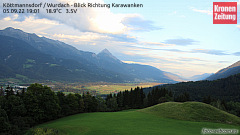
<point>95,88</point>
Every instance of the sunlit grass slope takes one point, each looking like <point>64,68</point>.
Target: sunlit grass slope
<point>192,111</point>
<point>156,120</point>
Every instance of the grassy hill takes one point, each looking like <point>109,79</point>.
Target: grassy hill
<point>192,111</point>
<point>150,121</point>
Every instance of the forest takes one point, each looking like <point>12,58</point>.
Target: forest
<point>227,89</point>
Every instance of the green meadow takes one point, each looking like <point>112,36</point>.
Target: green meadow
<point>149,121</point>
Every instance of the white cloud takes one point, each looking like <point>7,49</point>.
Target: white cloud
<point>29,24</point>
<point>135,22</point>
<point>134,62</point>
<point>88,24</point>
<point>7,19</point>
<point>87,36</point>
<point>100,20</point>
<point>210,51</point>
<point>209,12</point>
<point>157,44</point>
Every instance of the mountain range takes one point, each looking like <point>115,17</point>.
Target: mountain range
<point>30,56</point>
<point>226,72</point>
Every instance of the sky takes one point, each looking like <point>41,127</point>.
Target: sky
<point>176,36</point>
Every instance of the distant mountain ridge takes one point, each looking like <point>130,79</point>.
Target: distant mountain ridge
<point>226,72</point>
<point>174,77</point>
<point>200,77</point>
<point>103,65</point>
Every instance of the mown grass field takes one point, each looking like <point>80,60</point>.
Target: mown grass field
<point>132,122</point>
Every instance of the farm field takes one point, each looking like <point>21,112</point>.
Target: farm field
<point>131,122</point>
<point>98,88</point>
<point>110,88</point>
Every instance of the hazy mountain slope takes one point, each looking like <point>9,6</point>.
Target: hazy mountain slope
<point>136,72</point>
<point>226,72</point>
<point>200,77</point>
<point>52,47</point>
<point>18,57</point>
<point>174,77</point>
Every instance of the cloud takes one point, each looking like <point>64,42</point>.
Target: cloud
<point>204,51</point>
<point>148,58</point>
<point>156,44</point>
<point>91,20</point>
<point>88,36</point>
<point>236,53</point>
<point>145,48</point>
<point>223,62</point>
<point>123,38</point>
<point>212,52</point>
<point>209,12</point>
<point>189,59</point>
<point>181,41</point>
<point>134,62</point>
<point>31,24</point>
<point>142,48</point>
<point>138,23</point>
<point>173,50</point>
<point>152,57</point>
<point>98,20</point>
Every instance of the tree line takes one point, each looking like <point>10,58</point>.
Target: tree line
<point>228,106</point>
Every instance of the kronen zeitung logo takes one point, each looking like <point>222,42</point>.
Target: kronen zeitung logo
<point>224,12</point>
